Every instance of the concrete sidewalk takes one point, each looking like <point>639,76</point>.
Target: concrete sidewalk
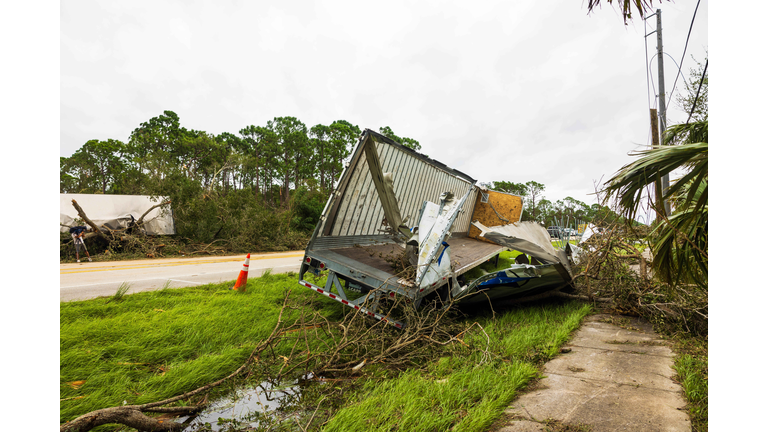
<point>617,376</point>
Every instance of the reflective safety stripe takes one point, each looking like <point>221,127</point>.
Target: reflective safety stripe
<point>345,302</point>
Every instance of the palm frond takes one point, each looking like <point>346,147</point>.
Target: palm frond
<point>696,132</point>
<point>630,181</point>
<point>626,6</point>
<point>680,244</point>
<point>679,241</point>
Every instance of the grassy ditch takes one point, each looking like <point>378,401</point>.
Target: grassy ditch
<point>150,346</point>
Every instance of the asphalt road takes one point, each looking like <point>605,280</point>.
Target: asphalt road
<point>85,280</point>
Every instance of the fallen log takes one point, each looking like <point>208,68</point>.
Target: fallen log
<point>129,415</point>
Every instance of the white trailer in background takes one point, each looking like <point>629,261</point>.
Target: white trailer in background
<point>117,212</point>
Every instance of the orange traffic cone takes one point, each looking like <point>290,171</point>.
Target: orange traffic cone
<point>242,278</point>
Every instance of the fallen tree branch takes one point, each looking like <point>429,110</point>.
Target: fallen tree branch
<point>608,265</point>
<point>583,297</point>
<point>175,410</point>
<point>205,247</point>
<point>84,217</point>
<point>640,259</point>
<point>140,221</point>
<point>128,415</point>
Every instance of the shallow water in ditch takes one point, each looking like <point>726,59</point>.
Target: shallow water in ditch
<point>245,408</point>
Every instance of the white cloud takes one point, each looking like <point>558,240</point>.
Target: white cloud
<point>552,94</point>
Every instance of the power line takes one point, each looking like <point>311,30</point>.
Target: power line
<point>696,99</point>
<point>684,49</point>
<point>653,86</point>
<point>678,74</point>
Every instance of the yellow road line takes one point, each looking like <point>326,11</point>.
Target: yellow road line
<point>169,264</point>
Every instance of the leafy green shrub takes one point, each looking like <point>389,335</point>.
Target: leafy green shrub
<point>307,205</point>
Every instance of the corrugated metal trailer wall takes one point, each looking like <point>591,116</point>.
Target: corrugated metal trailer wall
<point>416,179</point>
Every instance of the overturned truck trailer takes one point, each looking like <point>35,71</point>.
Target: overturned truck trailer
<point>402,224</point>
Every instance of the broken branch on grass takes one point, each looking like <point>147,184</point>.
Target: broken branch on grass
<point>452,339</point>
<point>605,265</point>
<point>205,247</point>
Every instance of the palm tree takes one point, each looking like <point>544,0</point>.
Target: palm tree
<point>679,240</point>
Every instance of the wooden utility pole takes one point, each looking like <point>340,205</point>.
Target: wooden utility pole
<point>654,127</point>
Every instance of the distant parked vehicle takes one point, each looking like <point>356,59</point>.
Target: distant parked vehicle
<point>571,231</point>
<point>555,231</point>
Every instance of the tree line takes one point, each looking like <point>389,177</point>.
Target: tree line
<point>270,160</point>
<point>263,188</point>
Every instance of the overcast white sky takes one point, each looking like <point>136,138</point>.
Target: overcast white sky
<point>501,90</point>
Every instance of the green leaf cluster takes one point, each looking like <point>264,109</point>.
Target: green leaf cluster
<point>679,241</point>
<point>408,142</point>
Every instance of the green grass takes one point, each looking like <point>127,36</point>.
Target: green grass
<point>124,287</point>
<point>153,345</point>
<point>150,346</point>
<point>692,367</point>
<point>464,399</point>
